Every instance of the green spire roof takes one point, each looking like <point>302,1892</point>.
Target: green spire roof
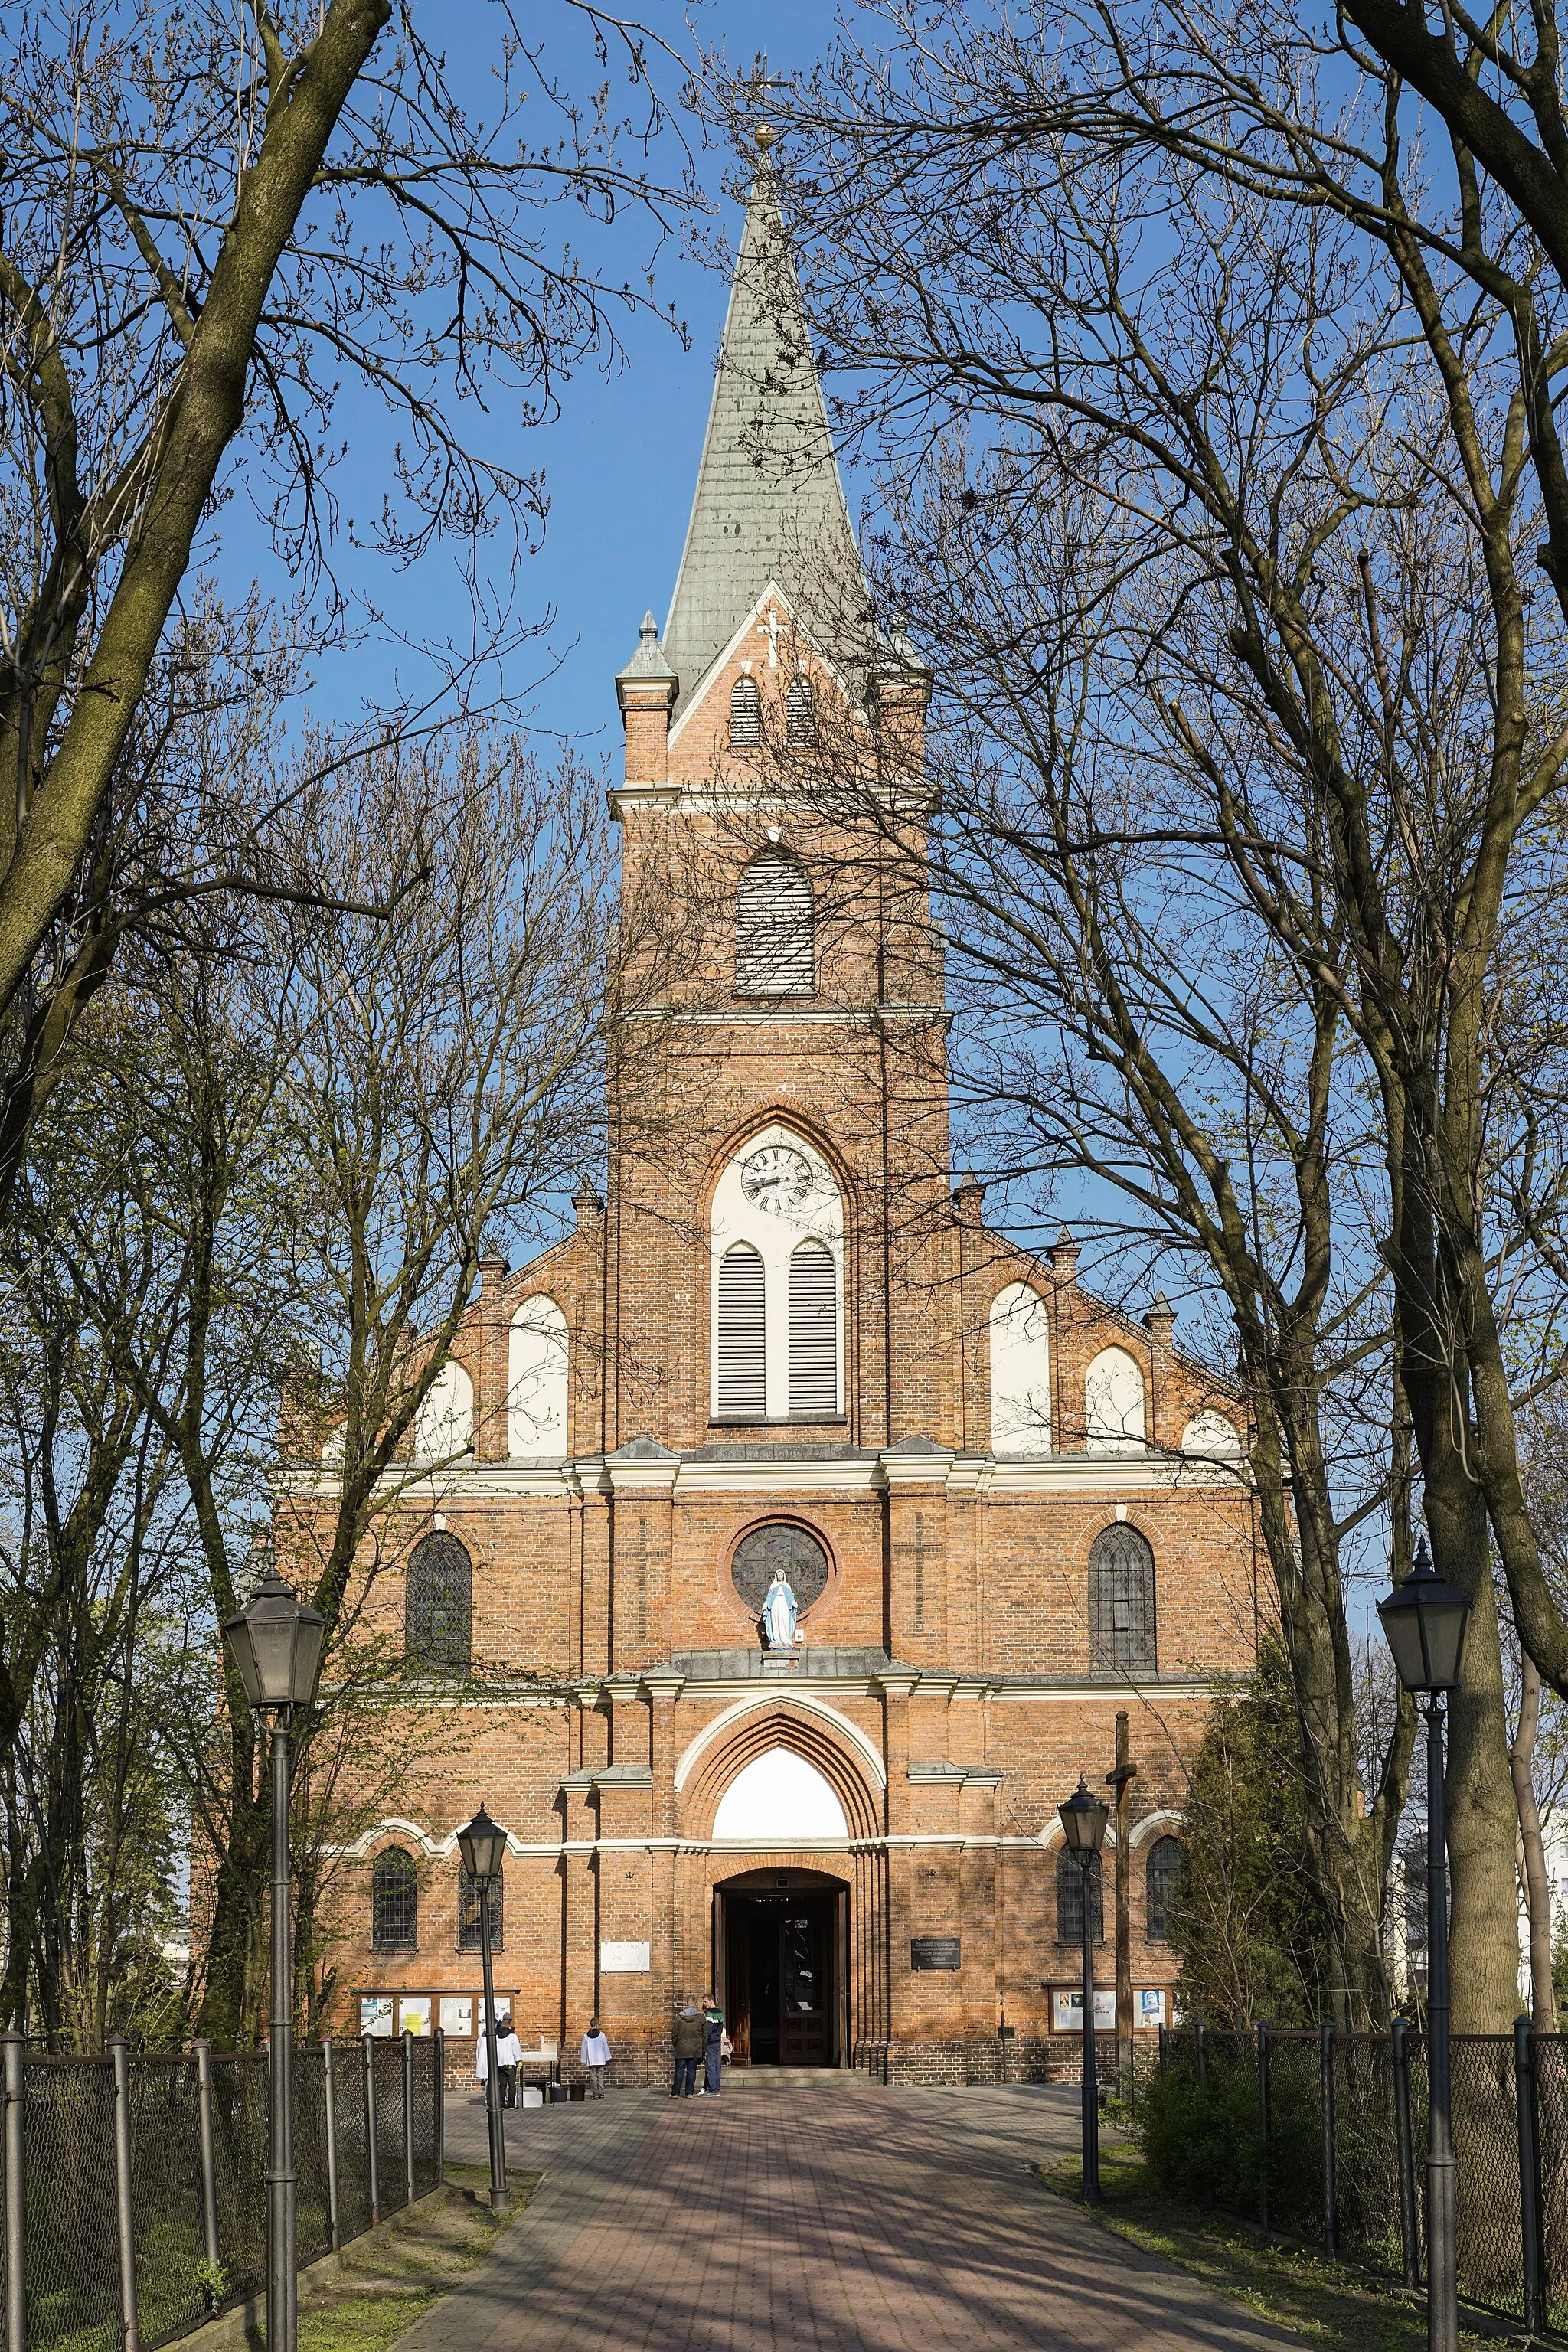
<point>769,503</point>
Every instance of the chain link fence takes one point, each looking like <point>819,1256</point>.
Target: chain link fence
<point>135,2188</point>
<point>1321,2137</point>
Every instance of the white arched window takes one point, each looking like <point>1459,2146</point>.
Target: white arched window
<point>1020,1372</point>
<point>745,714</point>
<point>775,946</point>
<point>444,1424</point>
<point>741,1366</point>
<point>1212,1438</point>
<point>1114,1403</point>
<point>777,1274</point>
<point>536,1383</point>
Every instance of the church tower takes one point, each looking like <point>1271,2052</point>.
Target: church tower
<point>848,1528</point>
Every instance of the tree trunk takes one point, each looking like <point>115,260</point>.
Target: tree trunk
<point>1532,1847</point>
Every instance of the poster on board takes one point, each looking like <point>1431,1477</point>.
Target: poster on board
<point>1149,2007</point>
<point>458,2014</point>
<point>413,2013</point>
<point>375,2014</point>
<point>1068,2012</point>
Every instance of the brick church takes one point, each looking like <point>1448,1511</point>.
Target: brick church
<point>840,1528</point>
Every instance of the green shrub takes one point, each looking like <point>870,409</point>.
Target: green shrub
<point>1203,2142</point>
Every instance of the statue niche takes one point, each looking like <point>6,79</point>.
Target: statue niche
<point>779,1571</point>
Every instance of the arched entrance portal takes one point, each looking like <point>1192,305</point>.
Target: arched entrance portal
<point>781,1951</point>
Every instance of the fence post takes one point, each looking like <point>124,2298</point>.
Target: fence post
<point>1330,2153</point>
<point>440,2151</point>
<point>1164,2055</point>
<point>373,2157</point>
<point>15,2051</point>
<point>1409,2227</point>
<point>1200,2053</point>
<point>120,2065</point>
<point>203,2053</point>
<point>1525,2104</point>
<point>329,2086</point>
<point>408,2115</point>
<point>1266,2118</point>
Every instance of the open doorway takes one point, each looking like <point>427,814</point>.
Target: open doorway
<point>781,1961</point>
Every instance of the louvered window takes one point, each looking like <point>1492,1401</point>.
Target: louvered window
<point>800,711</point>
<point>813,1332</point>
<point>746,713</point>
<point>1167,1869</point>
<point>1070,1899</point>
<point>469,1932</point>
<point>774,929</point>
<point>743,1335</point>
<point>394,1902</point>
<point>1122,1603</point>
<point>439,1632</point>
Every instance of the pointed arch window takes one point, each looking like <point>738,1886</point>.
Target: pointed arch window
<point>812,1333</point>
<point>745,714</point>
<point>439,1604</point>
<point>394,1903</point>
<point>1070,1899</point>
<point>775,928</point>
<point>536,1381</point>
<point>1167,1869</point>
<point>800,710</point>
<point>1122,1603</point>
<point>742,1334</point>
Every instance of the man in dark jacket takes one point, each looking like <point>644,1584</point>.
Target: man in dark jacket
<point>689,2042</point>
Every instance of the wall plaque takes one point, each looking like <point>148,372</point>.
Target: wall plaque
<point>624,1960</point>
<point>935,1952</point>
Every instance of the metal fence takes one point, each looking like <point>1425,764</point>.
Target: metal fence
<point>135,2188</point>
<point>1322,2137</point>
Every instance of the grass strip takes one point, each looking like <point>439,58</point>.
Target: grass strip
<point>389,2278</point>
<point>1287,2287</point>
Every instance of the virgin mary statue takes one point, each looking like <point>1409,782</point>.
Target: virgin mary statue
<point>779,1613</point>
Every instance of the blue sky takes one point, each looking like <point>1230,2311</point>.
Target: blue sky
<point>621,461</point>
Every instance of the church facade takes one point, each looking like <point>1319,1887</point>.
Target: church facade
<point>837,1530</point>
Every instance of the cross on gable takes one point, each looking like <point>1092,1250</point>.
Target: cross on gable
<point>770,629</point>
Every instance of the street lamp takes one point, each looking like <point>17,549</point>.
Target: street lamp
<point>276,1644</point>
<point>481,1845</point>
<point>1083,1824</point>
<point>1424,1620</point>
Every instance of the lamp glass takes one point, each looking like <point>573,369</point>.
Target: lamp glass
<point>1083,1820</point>
<point>275,1642</point>
<point>1424,1620</point>
<point>481,1844</point>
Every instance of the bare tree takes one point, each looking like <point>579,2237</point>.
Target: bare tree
<point>214,221</point>
<point>1288,702</point>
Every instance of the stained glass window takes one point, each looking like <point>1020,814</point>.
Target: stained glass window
<point>439,1632</point>
<point>1167,1868</point>
<point>1122,1603</point>
<point>394,1902</point>
<point>780,1544</point>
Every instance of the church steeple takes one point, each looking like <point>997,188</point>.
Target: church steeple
<point>769,502</point>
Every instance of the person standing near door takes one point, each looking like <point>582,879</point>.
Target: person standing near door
<point>712,2047</point>
<point>509,2058</point>
<point>688,2041</point>
<point>596,2057</point>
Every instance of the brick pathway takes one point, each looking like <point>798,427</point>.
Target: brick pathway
<point>838,2218</point>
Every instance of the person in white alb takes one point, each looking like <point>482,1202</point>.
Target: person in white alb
<point>596,2056</point>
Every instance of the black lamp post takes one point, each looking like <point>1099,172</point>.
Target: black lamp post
<point>1083,1822</point>
<point>481,1845</point>
<point>276,1644</point>
<point>1424,1620</point>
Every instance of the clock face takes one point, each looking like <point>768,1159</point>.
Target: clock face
<point>777,1179</point>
